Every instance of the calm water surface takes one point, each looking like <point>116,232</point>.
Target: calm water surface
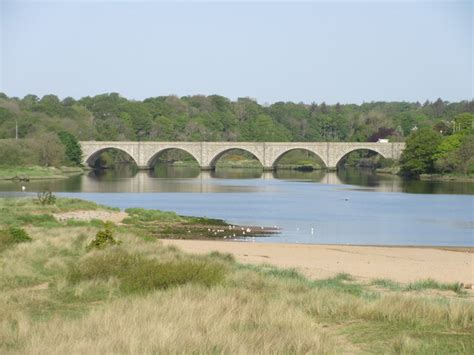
<point>347,207</point>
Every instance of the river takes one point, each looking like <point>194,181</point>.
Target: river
<point>346,207</point>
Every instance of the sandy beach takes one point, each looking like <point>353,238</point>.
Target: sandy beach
<point>402,264</point>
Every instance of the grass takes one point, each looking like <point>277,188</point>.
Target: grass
<point>37,172</point>
<point>420,285</point>
<point>143,297</point>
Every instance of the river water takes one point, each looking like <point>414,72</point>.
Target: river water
<point>345,207</point>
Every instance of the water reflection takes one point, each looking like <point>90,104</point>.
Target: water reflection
<point>166,178</point>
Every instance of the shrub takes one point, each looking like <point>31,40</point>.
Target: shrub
<point>72,148</point>
<point>10,236</point>
<point>46,198</point>
<point>138,274</point>
<point>103,238</point>
<point>151,274</point>
<point>19,235</point>
<point>419,154</point>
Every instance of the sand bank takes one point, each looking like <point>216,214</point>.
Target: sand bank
<point>402,264</point>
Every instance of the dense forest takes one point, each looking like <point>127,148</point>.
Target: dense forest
<point>216,118</point>
<point>49,128</point>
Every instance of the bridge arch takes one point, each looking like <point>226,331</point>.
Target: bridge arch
<point>152,160</point>
<point>91,157</point>
<point>380,152</point>
<point>218,155</point>
<point>292,149</point>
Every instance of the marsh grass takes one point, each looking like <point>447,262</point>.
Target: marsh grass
<point>143,297</point>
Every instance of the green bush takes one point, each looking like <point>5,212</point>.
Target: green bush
<point>151,274</point>
<point>19,235</point>
<point>46,198</point>
<point>138,274</point>
<point>10,236</point>
<point>103,238</point>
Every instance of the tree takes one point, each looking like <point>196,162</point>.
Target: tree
<point>49,150</point>
<point>419,154</point>
<point>464,122</point>
<point>72,148</point>
<point>465,154</point>
<point>263,129</point>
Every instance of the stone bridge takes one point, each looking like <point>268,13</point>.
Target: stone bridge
<point>208,153</point>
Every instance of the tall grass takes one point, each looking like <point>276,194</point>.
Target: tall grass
<point>142,297</point>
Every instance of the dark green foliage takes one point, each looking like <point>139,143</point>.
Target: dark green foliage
<point>138,274</point>
<point>216,118</point>
<point>464,122</point>
<point>419,154</point>
<point>46,198</point>
<point>72,147</point>
<point>103,238</point>
<point>11,235</point>
<point>18,235</point>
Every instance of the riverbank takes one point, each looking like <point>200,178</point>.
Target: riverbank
<point>401,264</point>
<point>447,177</point>
<point>428,177</point>
<point>38,173</point>
<point>143,295</point>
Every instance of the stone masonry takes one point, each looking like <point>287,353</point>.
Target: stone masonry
<point>208,153</point>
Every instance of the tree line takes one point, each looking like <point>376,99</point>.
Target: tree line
<point>42,121</point>
<point>216,118</point>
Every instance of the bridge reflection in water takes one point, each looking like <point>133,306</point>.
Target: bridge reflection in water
<point>195,180</point>
<point>188,179</point>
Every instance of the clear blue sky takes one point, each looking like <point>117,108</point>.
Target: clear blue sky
<point>318,51</point>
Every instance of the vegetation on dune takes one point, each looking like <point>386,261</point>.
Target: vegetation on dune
<point>11,235</point>
<point>142,297</point>
<point>103,238</point>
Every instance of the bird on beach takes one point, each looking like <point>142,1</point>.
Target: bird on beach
<point>23,188</point>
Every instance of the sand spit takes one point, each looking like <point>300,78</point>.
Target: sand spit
<point>402,264</point>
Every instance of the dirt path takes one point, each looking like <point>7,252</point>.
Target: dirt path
<point>402,264</point>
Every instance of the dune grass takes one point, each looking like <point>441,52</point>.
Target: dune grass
<point>420,285</point>
<point>143,297</point>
